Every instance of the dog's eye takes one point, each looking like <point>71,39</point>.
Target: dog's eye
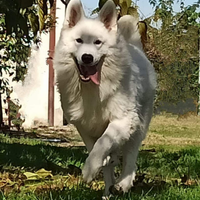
<point>97,42</point>
<point>79,40</point>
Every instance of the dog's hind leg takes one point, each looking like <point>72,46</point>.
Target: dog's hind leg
<point>109,179</point>
<point>130,153</point>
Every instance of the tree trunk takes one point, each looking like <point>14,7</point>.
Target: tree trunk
<point>1,113</point>
<point>198,109</point>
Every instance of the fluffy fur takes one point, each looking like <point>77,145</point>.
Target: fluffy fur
<point>114,113</point>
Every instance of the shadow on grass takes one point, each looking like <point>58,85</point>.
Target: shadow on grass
<point>34,157</point>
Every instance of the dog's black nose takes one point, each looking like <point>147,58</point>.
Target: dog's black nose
<point>87,58</point>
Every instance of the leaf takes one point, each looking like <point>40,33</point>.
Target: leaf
<point>3,183</point>
<point>34,22</point>
<point>124,8</point>
<point>128,3</point>
<point>116,2</point>
<point>95,11</point>
<point>157,14</point>
<point>42,13</point>
<point>22,11</point>
<point>31,176</point>
<point>101,3</point>
<point>153,2</point>
<point>143,31</point>
<point>42,173</point>
<point>134,12</point>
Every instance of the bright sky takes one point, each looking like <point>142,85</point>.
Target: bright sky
<point>144,6</point>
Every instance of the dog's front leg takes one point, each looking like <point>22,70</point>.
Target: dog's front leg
<point>117,132</point>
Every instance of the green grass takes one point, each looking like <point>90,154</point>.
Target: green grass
<point>168,166</point>
<point>172,126</point>
<point>167,193</point>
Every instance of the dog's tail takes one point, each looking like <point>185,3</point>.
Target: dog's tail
<point>128,26</point>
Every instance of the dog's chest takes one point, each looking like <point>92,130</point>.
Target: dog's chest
<point>94,119</point>
<point>88,113</point>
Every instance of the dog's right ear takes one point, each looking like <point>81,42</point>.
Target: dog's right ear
<point>74,13</point>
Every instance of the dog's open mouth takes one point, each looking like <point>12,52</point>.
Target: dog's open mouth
<point>88,73</point>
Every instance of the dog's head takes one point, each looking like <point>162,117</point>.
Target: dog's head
<point>88,40</point>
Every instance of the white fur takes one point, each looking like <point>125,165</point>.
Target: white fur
<point>128,26</point>
<point>114,115</point>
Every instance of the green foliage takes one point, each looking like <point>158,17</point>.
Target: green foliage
<point>13,57</point>
<point>14,15</point>
<point>23,15</point>
<point>176,40</point>
<point>43,14</point>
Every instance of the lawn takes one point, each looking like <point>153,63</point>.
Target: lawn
<point>31,168</point>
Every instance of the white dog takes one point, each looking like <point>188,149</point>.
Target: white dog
<point>107,89</point>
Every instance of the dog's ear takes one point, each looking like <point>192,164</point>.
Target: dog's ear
<point>108,15</point>
<point>74,13</point>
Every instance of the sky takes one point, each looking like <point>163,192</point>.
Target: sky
<point>144,7</point>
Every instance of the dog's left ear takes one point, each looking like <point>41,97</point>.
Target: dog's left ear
<point>74,13</point>
<point>108,15</point>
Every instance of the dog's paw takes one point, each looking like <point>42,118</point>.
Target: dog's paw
<point>116,190</point>
<point>107,197</point>
<point>123,186</point>
<point>90,169</point>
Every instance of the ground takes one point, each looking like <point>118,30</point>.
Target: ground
<point>45,163</point>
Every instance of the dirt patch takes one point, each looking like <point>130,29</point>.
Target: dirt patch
<point>59,136</point>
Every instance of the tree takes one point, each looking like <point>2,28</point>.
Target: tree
<point>20,23</point>
<point>176,40</point>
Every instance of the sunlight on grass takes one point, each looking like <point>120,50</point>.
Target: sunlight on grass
<point>171,125</point>
<point>169,130</point>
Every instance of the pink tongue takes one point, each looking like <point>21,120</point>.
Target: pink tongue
<point>95,78</point>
